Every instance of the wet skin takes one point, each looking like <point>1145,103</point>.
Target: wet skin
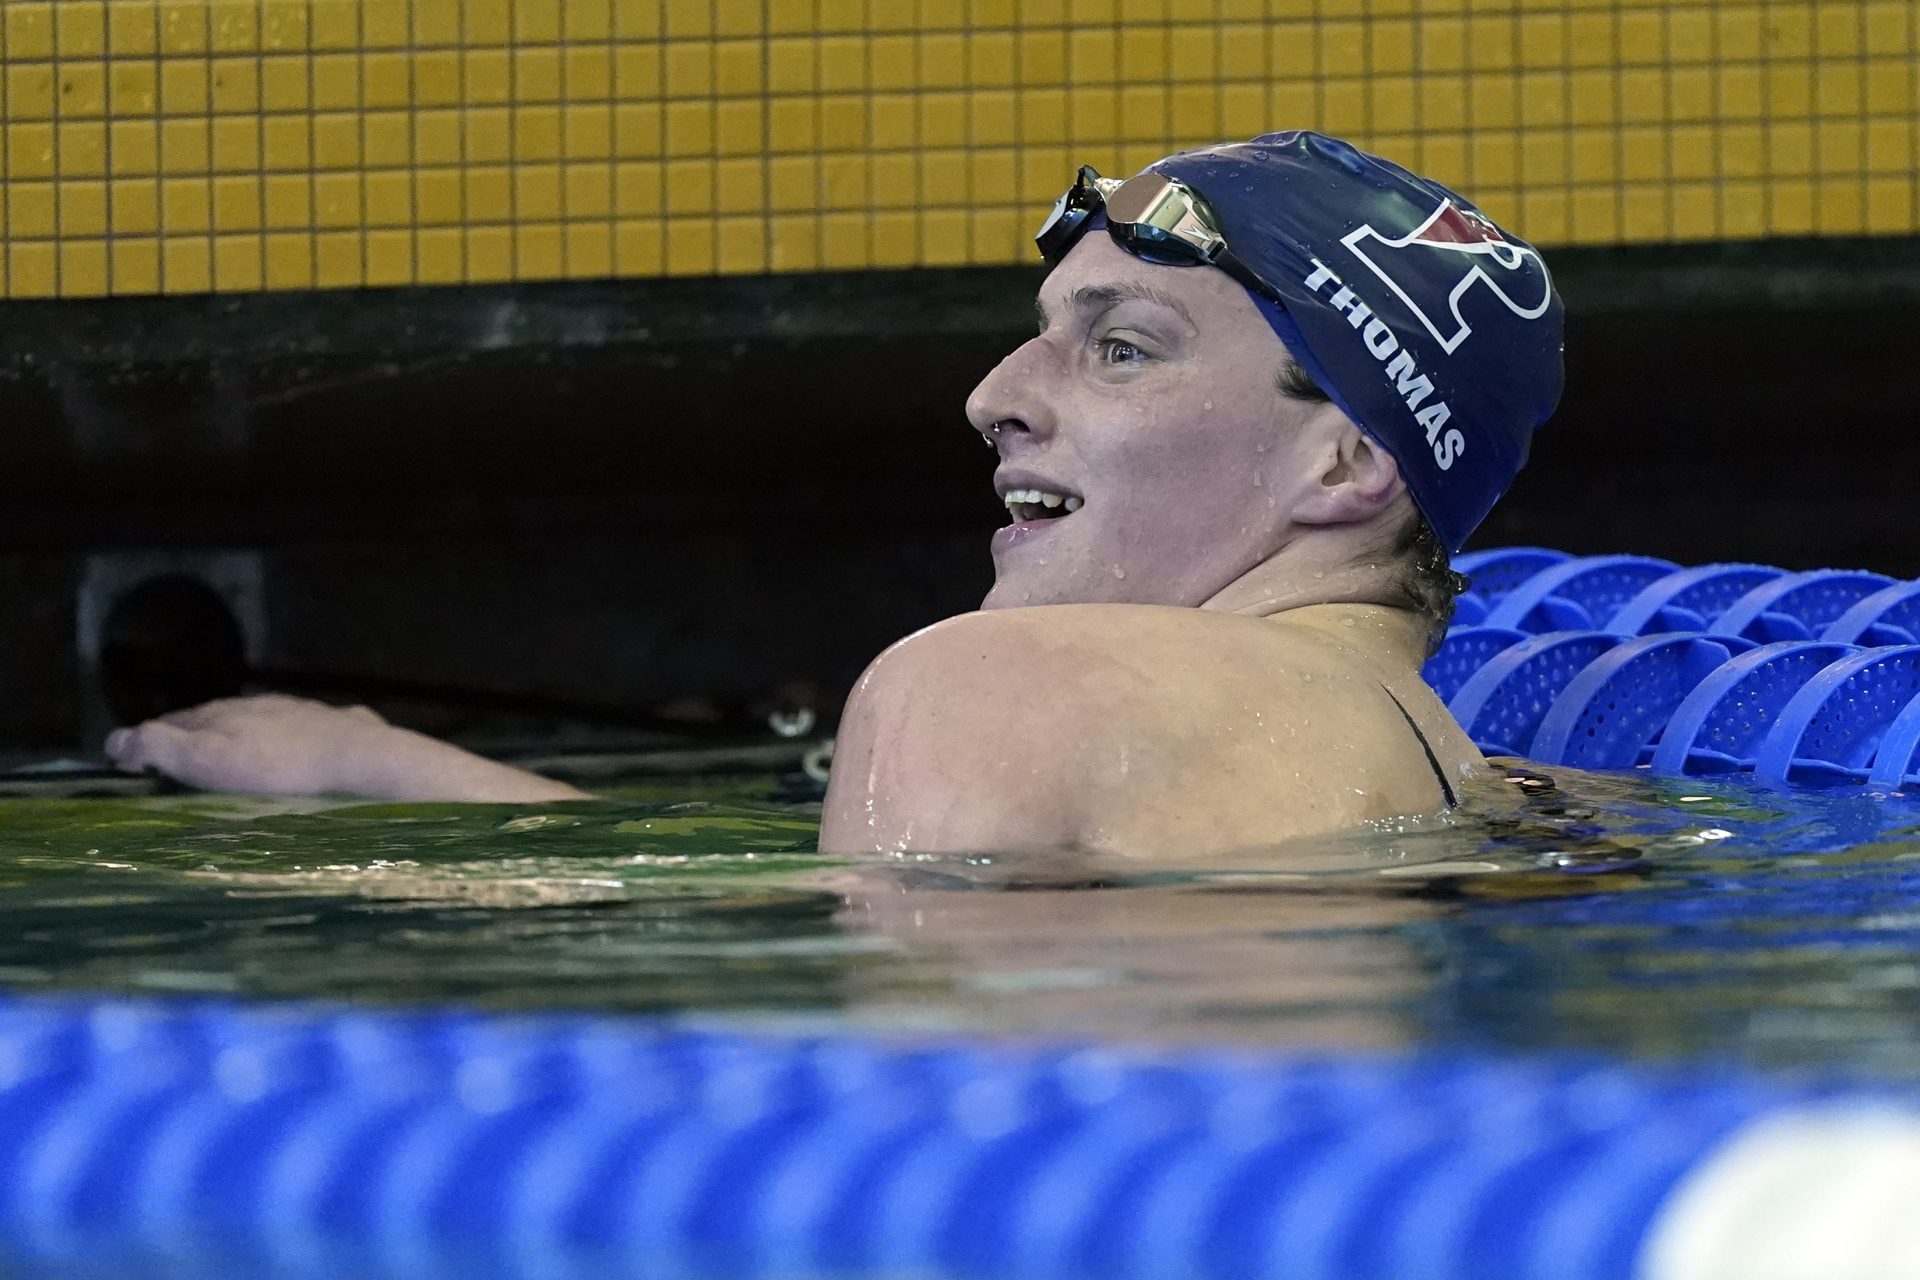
<point>1204,656</point>
<point>1199,658</point>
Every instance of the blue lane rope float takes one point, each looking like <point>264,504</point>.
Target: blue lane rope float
<point>1830,730</point>
<point>1464,651</point>
<point>1609,662</point>
<point>1576,595</point>
<point>1898,759</point>
<point>1890,615</point>
<point>1609,714</point>
<point>1718,726</point>
<point>193,1138</point>
<point>1497,570</point>
<point>1689,599</point>
<point>1501,705</point>
<point>1798,606</point>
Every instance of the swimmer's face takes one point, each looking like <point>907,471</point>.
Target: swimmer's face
<point>1148,403</point>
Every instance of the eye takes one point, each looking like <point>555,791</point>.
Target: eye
<point>1118,351</point>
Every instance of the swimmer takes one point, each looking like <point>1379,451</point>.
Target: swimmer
<point>1274,385</point>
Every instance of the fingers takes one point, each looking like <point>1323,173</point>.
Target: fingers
<point>268,743</point>
<point>153,745</point>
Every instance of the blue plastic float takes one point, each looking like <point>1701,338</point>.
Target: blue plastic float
<point>1607,662</point>
<point>214,1140</point>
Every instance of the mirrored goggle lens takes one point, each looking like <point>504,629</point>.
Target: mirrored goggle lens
<point>1149,199</point>
<point>1162,221</point>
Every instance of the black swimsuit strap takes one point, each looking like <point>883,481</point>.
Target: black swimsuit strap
<point>1446,787</point>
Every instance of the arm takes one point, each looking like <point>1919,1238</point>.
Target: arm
<point>289,746</point>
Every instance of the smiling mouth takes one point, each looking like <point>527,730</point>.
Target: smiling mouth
<point>1026,505</point>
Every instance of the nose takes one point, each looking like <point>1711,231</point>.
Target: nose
<point>1013,401</point>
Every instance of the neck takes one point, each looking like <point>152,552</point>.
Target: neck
<point>1329,582</point>
<point>1316,567</point>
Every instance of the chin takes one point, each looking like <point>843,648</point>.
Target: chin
<point>1015,591</point>
<point>1001,595</point>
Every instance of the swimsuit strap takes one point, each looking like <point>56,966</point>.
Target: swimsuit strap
<point>1446,787</point>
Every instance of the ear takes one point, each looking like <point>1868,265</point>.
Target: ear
<point>1358,480</point>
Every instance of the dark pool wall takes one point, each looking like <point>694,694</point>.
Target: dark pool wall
<point>598,501</point>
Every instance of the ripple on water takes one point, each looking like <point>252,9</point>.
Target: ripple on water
<point>1614,913</point>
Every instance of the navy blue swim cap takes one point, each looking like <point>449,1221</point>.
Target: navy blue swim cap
<point>1435,331</point>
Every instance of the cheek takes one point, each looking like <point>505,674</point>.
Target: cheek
<point>1208,440</point>
<point>1152,469</point>
<point>1207,450</point>
<point>1198,481</point>
<point>1177,420</point>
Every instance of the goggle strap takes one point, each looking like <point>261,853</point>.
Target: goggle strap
<point>1244,276</point>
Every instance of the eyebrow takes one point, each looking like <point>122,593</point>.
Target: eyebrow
<point>1104,297</point>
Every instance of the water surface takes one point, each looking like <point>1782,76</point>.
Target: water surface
<point>1624,914</point>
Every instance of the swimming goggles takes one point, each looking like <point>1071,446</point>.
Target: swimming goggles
<point>1154,217</point>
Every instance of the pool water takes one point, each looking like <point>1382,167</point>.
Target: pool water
<point>1620,913</point>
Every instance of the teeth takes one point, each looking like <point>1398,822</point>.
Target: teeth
<point>1074,504</point>
<point>1041,498</point>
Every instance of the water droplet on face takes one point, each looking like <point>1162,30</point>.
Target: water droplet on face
<point>1256,479</point>
<point>1259,155</point>
<point>1118,572</point>
<point>1318,573</point>
<point>1346,622</point>
<point>1206,404</point>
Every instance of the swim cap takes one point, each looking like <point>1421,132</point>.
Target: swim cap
<point>1435,331</point>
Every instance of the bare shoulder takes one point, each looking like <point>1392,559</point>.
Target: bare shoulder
<point>1118,636</point>
<point>1118,727</point>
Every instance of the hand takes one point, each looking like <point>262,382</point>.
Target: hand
<point>270,743</point>
<point>278,745</point>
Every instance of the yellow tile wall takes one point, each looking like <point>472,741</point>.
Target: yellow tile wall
<point>180,146</point>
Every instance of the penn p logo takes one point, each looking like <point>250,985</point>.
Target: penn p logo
<point>1459,246</point>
